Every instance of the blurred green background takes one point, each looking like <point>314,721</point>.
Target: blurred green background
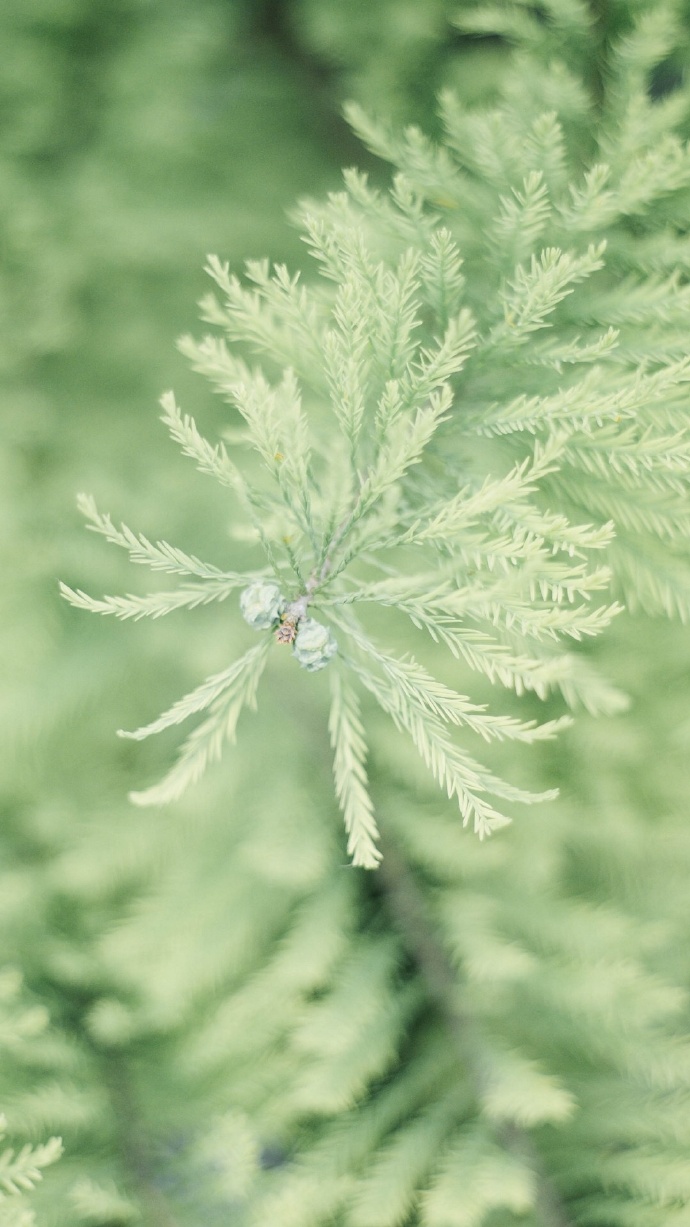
<point>135,137</point>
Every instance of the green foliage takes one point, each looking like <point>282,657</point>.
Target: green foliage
<point>417,364</point>
<point>20,1169</point>
<point>481,433</point>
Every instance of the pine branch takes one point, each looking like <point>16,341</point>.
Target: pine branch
<point>159,555</point>
<point>206,695</point>
<point>277,317</point>
<point>507,454</point>
<point>537,291</point>
<point>420,706</point>
<point>347,740</point>
<point>210,458</point>
<point>225,695</point>
<point>158,604</point>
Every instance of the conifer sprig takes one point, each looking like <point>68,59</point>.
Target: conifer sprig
<point>349,769</point>
<point>459,406</point>
<point>157,604</point>
<point>224,696</point>
<point>160,556</point>
<point>21,1170</point>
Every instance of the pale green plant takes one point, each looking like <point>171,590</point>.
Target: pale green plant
<point>467,441</point>
<point>455,424</point>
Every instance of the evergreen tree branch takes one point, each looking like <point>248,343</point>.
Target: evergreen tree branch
<point>349,768</point>
<point>225,695</point>
<point>157,604</point>
<point>159,555</point>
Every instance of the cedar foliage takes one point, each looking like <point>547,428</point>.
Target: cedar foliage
<point>476,1031</point>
